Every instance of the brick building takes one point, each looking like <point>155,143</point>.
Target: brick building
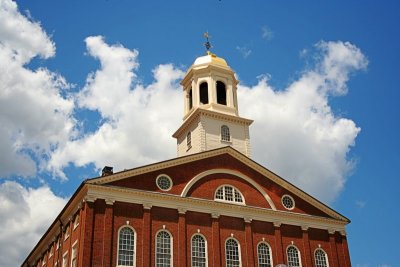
<point>210,206</point>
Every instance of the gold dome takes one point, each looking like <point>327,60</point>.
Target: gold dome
<point>210,58</point>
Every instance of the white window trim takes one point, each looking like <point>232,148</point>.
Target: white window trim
<point>74,245</point>
<point>326,256</point>
<point>62,259</point>
<point>298,251</point>
<point>230,135</point>
<point>270,252</point>
<point>170,180</point>
<point>76,222</point>
<point>172,246</point>
<point>227,201</point>
<point>191,248</point>
<point>134,244</point>
<point>67,232</point>
<point>239,251</point>
<point>289,196</point>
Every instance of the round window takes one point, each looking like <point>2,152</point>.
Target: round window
<point>164,182</point>
<point>288,202</point>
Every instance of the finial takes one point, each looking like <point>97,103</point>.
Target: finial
<point>207,43</point>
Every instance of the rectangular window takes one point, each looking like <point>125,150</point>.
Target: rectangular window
<point>65,260</point>
<point>74,255</point>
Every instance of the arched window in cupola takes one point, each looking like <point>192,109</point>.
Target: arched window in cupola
<point>190,98</point>
<point>225,133</point>
<point>221,93</point>
<point>204,93</point>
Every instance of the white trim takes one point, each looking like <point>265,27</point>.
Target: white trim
<point>74,245</point>
<point>172,245</point>
<point>231,172</point>
<point>170,181</point>
<point>158,199</point>
<point>270,252</point>
<point>298,251</point>
<point>62,260</point>
<point>134,244</point>
<point>326,256</point>
<point>228,201</point>
<point>191,248</point>
<point>289,196</point>
<point>239,250</point>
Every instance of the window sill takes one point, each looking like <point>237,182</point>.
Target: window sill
<point>226,142</point>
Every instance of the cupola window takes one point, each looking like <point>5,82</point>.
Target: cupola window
<point>225,133</point>
<point>221,93</point>
<point>229,194</point>
<point>190,98</point>
<point>204,93</point>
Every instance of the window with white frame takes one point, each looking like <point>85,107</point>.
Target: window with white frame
<point>76,220</point>
<point>126,247</point>
<point>199,251</point>
<point>293,257</point>
<point>74,255</point>
<point>232,253</point>
<point>66,232</point>
<point>229,193</point>
<point>321,259</point>
<point>264,255</point>
<point>225,133</point>
<point>65,260</point>
<point>163,249</point>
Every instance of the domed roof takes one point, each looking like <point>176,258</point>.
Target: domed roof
<point>210,59</point>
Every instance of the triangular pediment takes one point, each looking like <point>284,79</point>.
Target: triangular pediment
<point>189,171</point>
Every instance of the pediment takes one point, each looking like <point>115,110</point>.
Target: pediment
<point>198,175</point>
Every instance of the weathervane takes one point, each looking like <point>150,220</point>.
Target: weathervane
<point>207,44</point>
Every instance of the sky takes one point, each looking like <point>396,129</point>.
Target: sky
<point>84,84</point>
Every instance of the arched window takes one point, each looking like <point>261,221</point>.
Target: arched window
<point>264,255</point>
<point>225,133</point>
<point>199,251</point>
<point>221,93</point>
<point>189,140</point>
<point>204,93</point>
<point>229,193</point>
<point>126,247</point>
<point>293,257</point>
<point>232,253</point>
<point>321,259</point>
<point>190,96</point>
<point>163,249</point>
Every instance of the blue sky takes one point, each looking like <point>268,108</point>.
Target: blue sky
<point>85,84</point>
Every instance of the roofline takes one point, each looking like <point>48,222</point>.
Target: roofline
<point>210,153</point>
<point>55,222</point>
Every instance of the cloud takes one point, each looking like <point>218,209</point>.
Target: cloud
<point>295,132</point>
<point>34,115</point>
<point>25,214</point>
<point>138,119</point>
<point>266,33</point>
<point>244,51</point>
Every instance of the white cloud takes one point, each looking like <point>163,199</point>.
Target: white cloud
<point>34,116</point>
<point>266,33</point>
<point>295,132</point>
<point>244,51</point>
<point>25,214</point>
<point>138,120</point>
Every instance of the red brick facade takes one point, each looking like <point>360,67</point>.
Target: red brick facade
<point>101,215</point>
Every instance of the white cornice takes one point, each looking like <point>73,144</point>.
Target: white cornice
<point>212,153</point>
<point>211,207</point>
<point>210,114</point>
